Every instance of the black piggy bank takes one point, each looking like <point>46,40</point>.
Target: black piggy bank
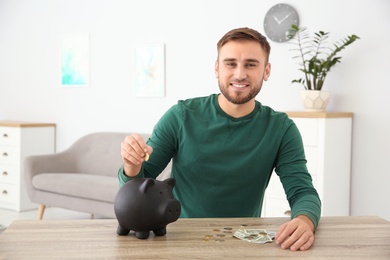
<point>145,205</point>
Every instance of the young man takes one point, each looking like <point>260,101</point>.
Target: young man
<point>226,146</point>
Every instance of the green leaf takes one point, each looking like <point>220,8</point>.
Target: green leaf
<point>316,59</point>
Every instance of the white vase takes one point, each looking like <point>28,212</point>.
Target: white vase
<point>315,100</point>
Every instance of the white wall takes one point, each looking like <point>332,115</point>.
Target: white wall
<point>30,74</point>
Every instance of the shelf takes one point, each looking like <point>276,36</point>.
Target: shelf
<point>24,124</point>
<point>319,114</point>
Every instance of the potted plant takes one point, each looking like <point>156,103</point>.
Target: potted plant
<point>316,62</point>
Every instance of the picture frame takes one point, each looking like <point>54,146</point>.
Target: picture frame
<point>75,55</point>
<point>149,70</point>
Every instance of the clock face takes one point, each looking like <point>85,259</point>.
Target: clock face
<point>278,21</point>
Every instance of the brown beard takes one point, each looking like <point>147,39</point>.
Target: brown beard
<point>239,99</point>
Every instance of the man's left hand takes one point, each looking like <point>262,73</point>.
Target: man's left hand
<point>297,234</point>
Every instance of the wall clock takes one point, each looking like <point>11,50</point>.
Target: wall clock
<point>278,21</point>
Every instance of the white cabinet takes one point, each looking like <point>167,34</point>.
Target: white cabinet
<point>327,142</point>
<point>18,140</point>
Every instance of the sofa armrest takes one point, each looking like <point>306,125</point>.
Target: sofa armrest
<point>49,163</point>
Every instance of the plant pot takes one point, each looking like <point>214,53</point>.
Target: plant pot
<point>315,100</point>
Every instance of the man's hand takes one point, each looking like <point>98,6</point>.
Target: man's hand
<point>134,151</point>
<point>297,234</point>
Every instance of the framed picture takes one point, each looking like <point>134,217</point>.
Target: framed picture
<point>149,70</point>
<point>75,60</point>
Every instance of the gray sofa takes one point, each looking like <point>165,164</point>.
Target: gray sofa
<point>82,177</point>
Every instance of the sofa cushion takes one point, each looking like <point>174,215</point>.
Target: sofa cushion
<point>81,185</point>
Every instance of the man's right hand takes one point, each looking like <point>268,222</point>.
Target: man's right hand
<point>133,152</point>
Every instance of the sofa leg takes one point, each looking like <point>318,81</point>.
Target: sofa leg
<point>41,210</point>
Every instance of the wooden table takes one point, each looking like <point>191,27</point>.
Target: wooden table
<point>336,238</point>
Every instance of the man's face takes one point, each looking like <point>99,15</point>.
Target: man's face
<point>241,68</point>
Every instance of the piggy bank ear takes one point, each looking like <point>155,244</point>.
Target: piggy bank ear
<point>146,185</point>
<point>171,182</point>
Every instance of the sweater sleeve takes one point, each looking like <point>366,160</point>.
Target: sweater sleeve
<point>297,182</point>
<point>164,147</point>
<point>123,178</point>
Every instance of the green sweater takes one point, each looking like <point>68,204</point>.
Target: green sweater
<point>222,165</point>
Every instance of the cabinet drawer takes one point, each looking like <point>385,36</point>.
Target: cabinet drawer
<point>9,155</point>
<point>7,193</point>
<point>316,184</point>
<point>275,188</point>
<point>9,135</point>
<point>276,207</point>
<point>8,174</point>
<point>311,158</point>
<point>308,128</point>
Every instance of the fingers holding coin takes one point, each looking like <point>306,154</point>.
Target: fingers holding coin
<point>135,150</point>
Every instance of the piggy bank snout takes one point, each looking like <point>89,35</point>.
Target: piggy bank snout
<point>171,210</point>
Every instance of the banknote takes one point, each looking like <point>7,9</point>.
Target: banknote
<point>259,236</point>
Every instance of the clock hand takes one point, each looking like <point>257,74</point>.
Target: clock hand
<point>276,19</point>
<point>281,21</point>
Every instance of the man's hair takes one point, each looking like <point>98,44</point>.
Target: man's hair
<point>245,34</point>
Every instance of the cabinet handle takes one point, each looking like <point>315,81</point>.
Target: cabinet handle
<point>287,213</point>
<point>5,135</point>
<point>5,173</point>
<point>5,154</point>
<point>5,192</point>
